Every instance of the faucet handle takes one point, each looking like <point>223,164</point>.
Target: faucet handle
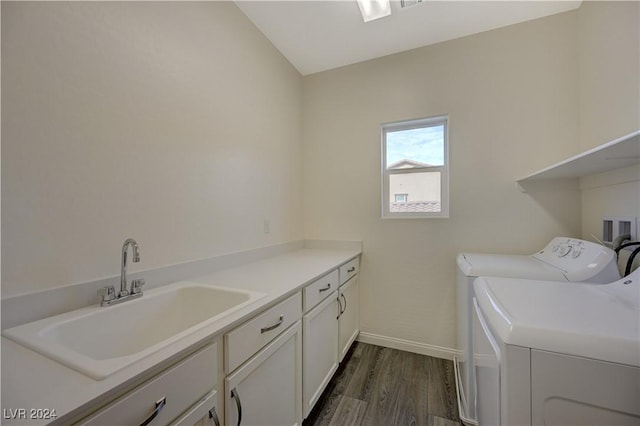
<point>136,286</point>
<point>107,294</point>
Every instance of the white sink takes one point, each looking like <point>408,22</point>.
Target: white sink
<point>98,341</point>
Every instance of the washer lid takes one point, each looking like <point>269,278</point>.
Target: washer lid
<point>507,265</point>
<point>589,320</point>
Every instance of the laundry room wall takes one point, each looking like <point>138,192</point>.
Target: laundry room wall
<point>609,70</point>
<point>613,193</point>
<point>609,105</point>
<point>175,123</point>
<point>511,96</point>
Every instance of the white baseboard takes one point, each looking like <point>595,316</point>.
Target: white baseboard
<point>408,345</point>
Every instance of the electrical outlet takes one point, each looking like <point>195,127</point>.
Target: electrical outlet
<point>267,226</point>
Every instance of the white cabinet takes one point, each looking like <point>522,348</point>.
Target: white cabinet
<point>348,318</point>
<point>167,396</point>
<point>320,351</point>
<point>349,269</point>
<point>318,290</point>
<point>203,413</point>
<point>271,369</point>
<point>329,328</point>
<point>250,337</point>
<point>348,300</point>
<point>267,389</point>
<point>263,362</point>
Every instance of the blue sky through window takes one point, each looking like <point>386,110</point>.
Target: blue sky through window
<point>425,144</point>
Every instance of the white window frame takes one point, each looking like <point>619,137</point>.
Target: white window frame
<point>444,169</point>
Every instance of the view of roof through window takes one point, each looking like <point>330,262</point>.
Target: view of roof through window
<point>414,157</point>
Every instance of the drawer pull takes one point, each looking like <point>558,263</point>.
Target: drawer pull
<point>340,311</point>
<point>325,288</point>
<point>159,406</point>
<point>214,416</point>
<point>236,398</point>
<point>345,303</point>
<point>272,327</point>
<point>353,268</point>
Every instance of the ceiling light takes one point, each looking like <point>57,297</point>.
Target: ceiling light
<point>374,9</point>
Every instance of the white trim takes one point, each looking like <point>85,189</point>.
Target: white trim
<point>408,345</point>
<point>462,401</point>
<point>415,123</point>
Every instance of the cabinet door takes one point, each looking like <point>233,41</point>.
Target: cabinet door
<point>267,389</point>
<point>320,327</point>
<point>349,317</point>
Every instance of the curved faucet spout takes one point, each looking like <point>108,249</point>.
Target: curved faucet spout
<point>123,270</point>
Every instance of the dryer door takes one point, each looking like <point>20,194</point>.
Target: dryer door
<point>487,358</point>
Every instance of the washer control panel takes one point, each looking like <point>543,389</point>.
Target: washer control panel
<point>580,260</point>
<point>571,248</point>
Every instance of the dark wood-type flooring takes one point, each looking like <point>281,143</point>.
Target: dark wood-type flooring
<point>378,386</point>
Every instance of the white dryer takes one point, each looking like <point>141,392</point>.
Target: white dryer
<point>562,259</point>
<point>557,353</point>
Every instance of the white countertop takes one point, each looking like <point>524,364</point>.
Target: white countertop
<point>32,381</point>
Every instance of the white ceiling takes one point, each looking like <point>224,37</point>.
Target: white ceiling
<point>320,35</point>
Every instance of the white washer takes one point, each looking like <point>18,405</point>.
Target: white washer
<point>562,259</point>
<point>557,353</point>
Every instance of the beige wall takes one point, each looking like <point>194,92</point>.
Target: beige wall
<point>609,71</point>
<point>511,97</point>
<point>609,104</point>
<point>177,124</point>
<point>614,193</point>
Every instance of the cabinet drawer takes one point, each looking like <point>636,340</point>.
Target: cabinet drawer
<point>249,338</point>
<point>180,387</point>
<point>318,290</point>
<point>349,269</point>
<point>203,409</point>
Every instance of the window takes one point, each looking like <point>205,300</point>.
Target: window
<point>415,164</point>
<point>401,198</point>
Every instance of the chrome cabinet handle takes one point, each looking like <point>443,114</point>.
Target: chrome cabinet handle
<point>274,326</point>
<point>325,289</point>
<point>340,308</point>
<point>353,268</point>
<point>236,397</point>
<point>345,304</point>
<point>214,416</point>
<point>159,406</point>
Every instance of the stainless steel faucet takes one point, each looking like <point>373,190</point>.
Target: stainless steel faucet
<point>123,268</point>
<point>108,295</point>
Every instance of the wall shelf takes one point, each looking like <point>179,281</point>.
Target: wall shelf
<point>621,152</point>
